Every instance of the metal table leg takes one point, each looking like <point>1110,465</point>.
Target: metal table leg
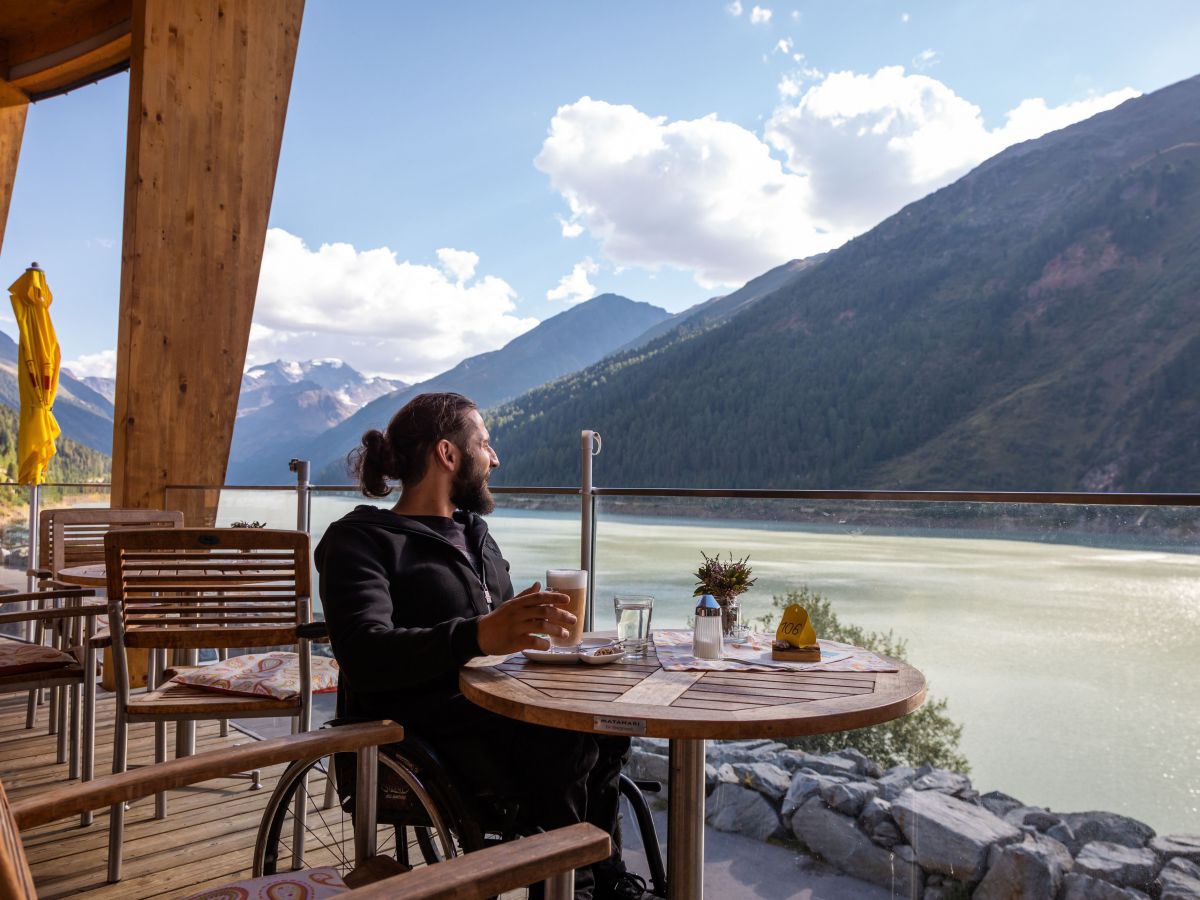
<point>685,820</point>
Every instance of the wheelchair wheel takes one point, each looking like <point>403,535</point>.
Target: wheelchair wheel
<point>323,835</point>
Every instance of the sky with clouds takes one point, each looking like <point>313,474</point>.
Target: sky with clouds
<point>451,174</point>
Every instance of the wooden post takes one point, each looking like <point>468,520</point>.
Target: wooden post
<point>13,106</point>
<point>208,92</point>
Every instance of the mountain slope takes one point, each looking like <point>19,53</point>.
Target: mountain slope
<point>716,310</point>
<point>1027,327</point>
<point>83,414</point>
<point>282,403</point>
<point>563,343</point>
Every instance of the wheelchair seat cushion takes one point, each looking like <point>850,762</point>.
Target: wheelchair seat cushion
<point>309,884</point>
<point>275,674</point>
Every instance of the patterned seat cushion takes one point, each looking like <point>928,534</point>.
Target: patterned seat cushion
<point>310,884</point>
<point>274,674</point>
<point>17,658</point>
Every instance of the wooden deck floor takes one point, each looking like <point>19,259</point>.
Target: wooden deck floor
<point>206,840</point>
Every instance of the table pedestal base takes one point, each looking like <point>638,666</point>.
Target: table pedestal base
<point>685,820</point>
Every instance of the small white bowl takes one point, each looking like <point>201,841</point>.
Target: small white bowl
<point>552,657</point>
<point>590,657</point>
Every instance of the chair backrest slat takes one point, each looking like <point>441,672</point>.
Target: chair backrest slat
<point>207,587</point>
<point>75,537</point>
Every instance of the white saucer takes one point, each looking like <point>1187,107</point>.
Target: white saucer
<point>553,657</point>
<point>590,657</point>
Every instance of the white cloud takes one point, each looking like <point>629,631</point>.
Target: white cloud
<point>784,46</point>
<point>796,15</point>
<point>905,17</point>
<point>102,364</point>
<point>382,315</point>
<point>708,196</point>
<point>458,264</point>
<point>574,287</point>
<point>700,195</point>
<point>760,15</point>
<point>570,229</point>
<point>734,8</point>
<point>925,59</point>
<point>869,144</point>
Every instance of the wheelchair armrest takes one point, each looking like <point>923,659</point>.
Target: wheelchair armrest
<point>648,787</point>
<point>313,631</point>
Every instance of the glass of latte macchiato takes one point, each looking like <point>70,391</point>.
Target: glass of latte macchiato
<point>573,583</point>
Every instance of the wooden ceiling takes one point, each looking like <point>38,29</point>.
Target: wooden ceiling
<point>51,46</point>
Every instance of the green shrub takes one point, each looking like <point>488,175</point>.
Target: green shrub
<point>928,735</point>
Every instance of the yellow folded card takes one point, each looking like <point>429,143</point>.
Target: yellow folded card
<point>795,628</point>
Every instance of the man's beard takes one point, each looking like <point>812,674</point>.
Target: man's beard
<point>470,493</point>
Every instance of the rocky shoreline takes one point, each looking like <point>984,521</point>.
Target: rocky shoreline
<point>926,833</point>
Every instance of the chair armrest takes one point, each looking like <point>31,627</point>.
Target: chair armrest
<point>57,593</point>
<point>62,612</point>
<point>486,873</point>
<point>313,631</point>
<point>72,799</point>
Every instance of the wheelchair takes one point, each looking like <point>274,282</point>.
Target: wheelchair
<point>310,817</point>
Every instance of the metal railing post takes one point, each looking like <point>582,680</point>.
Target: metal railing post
<point>301,468</point>
<point>589,446</point>
<point>31,579</point>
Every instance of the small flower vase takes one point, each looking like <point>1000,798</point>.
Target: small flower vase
<point>731,620</point>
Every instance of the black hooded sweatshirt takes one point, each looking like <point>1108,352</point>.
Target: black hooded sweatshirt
<point>403,607</point>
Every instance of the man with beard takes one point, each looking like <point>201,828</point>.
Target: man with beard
<point>413,592</point>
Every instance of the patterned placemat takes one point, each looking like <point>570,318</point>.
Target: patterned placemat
<point>674,648</point>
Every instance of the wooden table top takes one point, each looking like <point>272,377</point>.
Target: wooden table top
<point>641,698</point>
<point>87,576</point>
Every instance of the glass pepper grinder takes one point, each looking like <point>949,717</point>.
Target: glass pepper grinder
<point>707,639</point>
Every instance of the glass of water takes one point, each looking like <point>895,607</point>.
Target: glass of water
<point>633,621</point>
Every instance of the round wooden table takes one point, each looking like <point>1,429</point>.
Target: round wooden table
<point>85,576</point>
<point>639,697</point>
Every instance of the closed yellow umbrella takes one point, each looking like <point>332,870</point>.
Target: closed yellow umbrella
<point>38,360</point>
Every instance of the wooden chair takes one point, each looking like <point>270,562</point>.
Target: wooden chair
<point>28,666</point>
<point>551,857</point>
<point>74,536</point>
<point>191,588</point>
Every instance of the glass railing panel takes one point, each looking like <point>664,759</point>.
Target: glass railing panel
<point>1060,635</point>
<point>14,521</point>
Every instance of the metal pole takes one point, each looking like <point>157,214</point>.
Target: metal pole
<point>589,446</point>
<point>685,820</point>
<point>301,468</point>
<point>31,567</point>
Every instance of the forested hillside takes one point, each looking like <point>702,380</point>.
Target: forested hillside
<point>1035,325</point>
<point>73,463</point>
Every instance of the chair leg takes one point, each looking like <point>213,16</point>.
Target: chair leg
<point>330,785</point>
<point>73,694</point>
<point>88,737</point>
<point>160,756</point>
<point>31,709</point>
<point>58,706</point>
<point>116,813</point>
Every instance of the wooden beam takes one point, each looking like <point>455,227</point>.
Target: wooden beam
<point>208,91</point>
<point>13,107</point>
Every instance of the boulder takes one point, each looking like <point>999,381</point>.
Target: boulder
<point>949,835</point>
<point>1108,827</point>
<point>1016,815</point>
<point>1042,821</point>
<point>651,745</point>
<point>998,803</point>
<point>647,767</point>
<point>849,797</point>
<point>1083,887</point>
<point>743,811</point>
<point>795,760</point>
<point>1176,845</point>
<point>1179,879</point>
<point>838,840</point>
<point>876,821</point>
<point>710,778</point>
<point>1117,864</point>
<point>943,780</point>
<point>743,751</point>
<point>895,781</point>
<point>1062,833</point>
<point>769,780</point>
<point>1031,869</point>
<point>804,784</point>
<point>865,766</point>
